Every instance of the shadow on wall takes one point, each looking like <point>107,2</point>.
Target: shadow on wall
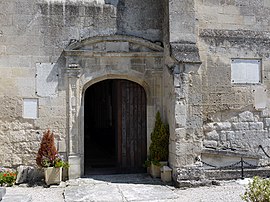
<point>132,20</point>
<point>112,2</point>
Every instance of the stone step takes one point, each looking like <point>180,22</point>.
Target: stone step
<point>17,198</point>
<point>2,192</point>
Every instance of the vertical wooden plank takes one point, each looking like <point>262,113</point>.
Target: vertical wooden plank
<point>128,120</point>
<point>139,129</point>
<point>124,116</point>
<point>136,132</point>
<point>143,131</point>
<point>131,125</point>
<point>118,122</point>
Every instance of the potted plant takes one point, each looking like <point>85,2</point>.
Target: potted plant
<point>7,177</point>
<point>159,147</point>
<point>49,159</point>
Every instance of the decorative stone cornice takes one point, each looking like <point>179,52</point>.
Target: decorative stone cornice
<point>234,34</point>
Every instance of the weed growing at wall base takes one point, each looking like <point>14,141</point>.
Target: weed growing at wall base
<point>258,190</point>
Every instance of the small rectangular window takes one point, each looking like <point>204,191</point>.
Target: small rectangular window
<point>30,108</point>
<point>245,71</point>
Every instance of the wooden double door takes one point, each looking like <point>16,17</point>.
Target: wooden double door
<point>115,127</point>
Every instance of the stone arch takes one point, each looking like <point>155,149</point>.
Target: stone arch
<point>105,76</point>
<point>77,45</point>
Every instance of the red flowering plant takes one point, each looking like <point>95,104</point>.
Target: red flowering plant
<point>48,155</point>
<point>7,176</point>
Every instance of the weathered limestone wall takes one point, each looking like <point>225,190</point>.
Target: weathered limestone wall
<point>228,30</point>
<point>241,132</point>
<point>140,18</point>
<point>33,34</point>
<point>233,14</point>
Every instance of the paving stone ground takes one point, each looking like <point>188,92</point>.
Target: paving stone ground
<point>128,188</point>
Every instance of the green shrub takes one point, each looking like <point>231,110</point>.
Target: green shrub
<point>159,147</point>
<point>258,190</point>
<point>7,178</point>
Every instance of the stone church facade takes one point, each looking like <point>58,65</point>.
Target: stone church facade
<point>106,67</point>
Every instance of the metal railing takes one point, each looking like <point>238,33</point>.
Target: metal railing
<point>242,164</point>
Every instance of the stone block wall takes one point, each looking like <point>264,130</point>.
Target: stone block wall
<point>233,14</point>
<point>244,132</point>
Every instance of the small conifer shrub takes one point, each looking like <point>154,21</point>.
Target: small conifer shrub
<point>47,153</point>
<point>159,147</point>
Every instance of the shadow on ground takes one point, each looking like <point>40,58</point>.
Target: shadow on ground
<point>128,179</point>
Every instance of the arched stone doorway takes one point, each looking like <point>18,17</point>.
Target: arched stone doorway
<point>115,139</point>
<point>92,61</point>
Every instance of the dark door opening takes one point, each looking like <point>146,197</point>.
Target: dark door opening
<point>115,128</point>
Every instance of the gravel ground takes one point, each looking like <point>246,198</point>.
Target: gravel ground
<point>39,194</point>
<point>228,191</point>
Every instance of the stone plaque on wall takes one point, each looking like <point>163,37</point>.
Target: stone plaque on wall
<point>30,108</point>
<point>246,71</point>
<point>46,79</point>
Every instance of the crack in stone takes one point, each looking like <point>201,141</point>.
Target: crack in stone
<point>121,193</point>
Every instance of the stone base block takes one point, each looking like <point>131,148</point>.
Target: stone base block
<point>192,183</point>
<point>166,174</point>
<point>191,172</point>
<point>2,192</point>
<point>74,170</point>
